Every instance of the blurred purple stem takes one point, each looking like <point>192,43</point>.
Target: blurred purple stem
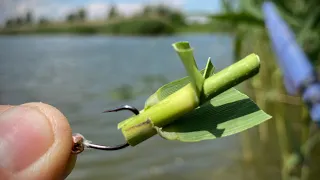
<point>299,75</point>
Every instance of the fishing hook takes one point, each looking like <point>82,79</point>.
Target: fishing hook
<point>79,142</point>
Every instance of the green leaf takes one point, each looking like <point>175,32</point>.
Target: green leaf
<point>228,113</point>
<point>222,111</point>
<point>253,7</point>
<point>209,69</point>
<point>173,86</point>
<point>309,23</point>
<point>166,90</point>
<point>185,53</point>
<point>251,62</point>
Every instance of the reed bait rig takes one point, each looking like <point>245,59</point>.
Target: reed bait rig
<point>80,142</point>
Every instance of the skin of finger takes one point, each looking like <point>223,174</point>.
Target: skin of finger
<point>4,174</point>
<point>4,108</point>
<point>55,163</point>
<point>70,165</point>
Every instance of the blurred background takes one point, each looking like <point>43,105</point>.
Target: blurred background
<point>87,56</point>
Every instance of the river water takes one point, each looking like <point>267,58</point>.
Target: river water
<point>84,75</point>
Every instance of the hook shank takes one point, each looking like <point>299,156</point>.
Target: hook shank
<point>80,142</point>
<point>107,148</point>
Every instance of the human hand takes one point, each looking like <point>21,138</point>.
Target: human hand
<point>35,143</point>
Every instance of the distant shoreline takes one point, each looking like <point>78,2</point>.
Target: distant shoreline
<point>149,27</point>
<point>112,35</point>
<point>152,20</point>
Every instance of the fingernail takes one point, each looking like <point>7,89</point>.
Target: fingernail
<point>25,135</point>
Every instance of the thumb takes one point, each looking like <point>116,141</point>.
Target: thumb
<point>35,143</point>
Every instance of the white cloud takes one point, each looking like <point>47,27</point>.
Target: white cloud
<point>172,3</point>
<point>97,10</point>
<point>129,9</point>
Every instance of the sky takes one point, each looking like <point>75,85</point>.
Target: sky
<point>58,9</point>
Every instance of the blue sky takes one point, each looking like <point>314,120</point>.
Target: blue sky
<point>57,9</point>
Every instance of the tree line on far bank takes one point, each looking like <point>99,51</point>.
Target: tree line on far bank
<point>80,15</point>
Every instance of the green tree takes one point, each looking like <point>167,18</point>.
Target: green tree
<point>162,10</point>
<point>147,10</point>
<point>9,23</point>
<point>82,14</point>
<point>71,17</point>
<point>113,12</point>
<point>43,21</point>
<point>29,18</point>
<point>19,21</point>
<point>177,18</point>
